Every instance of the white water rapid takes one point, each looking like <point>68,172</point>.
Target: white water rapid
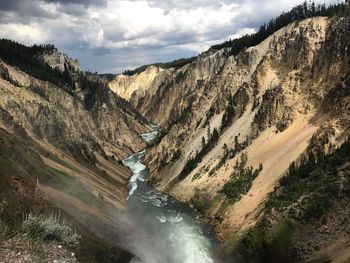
<point>167,231</point>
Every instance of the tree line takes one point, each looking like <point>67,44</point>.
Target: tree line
<point>26,59</point>
<point>298,13</point>
<point>178,63</point>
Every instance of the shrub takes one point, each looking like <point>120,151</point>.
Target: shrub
<point>38,90</point>
<point>3,205</point>
<point>176,156</point>
<point>40,227</point>
<point>4,229</point>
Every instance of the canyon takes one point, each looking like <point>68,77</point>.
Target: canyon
<point>284,101</point>
<point>222,139</point>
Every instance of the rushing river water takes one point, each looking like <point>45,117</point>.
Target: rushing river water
<point>168,231</point>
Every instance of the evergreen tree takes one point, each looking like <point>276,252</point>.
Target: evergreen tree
<point>208,132</point>
<point>215,136</point>
<point>27,60</point>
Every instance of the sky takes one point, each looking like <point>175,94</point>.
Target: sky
<point>110,36</point>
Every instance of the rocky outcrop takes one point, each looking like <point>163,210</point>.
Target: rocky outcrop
<point>134,88</point>
<point>273,111</point>
<point>59,60</point>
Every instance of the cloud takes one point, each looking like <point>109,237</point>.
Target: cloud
<point>26,9</point>
<point>30,34</point>
<point>113,35</point>
<point>140,23</point>
<point>79,2</point>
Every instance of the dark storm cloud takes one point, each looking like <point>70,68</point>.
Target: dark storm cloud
<point>187,4</point>
<point>23,9</point>
<point>13,5</point>
<point>26,10</point>
<point>75,10</point>
<point>79,2</point>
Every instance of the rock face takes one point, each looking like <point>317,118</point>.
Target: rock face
<point>99,120</point>
<point>59,60</point>
<point>134,88</point>
<point>286,92</point>
<point>66,142</point>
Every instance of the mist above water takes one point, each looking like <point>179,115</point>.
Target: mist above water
<point>165,231</point>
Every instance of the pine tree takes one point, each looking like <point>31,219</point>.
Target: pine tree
<point>208,132</point>
<point>203,142</point>
<point>215,136</point>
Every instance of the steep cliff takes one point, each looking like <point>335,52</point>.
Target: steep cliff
<point>63,134</point>
<point>262,108</point>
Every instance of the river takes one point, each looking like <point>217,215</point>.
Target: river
<point>167,231</point>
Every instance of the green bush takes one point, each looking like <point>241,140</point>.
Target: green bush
<point>40,227</point>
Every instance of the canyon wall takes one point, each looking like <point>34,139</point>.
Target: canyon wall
<point>61,147</point>
<point>267,106</point>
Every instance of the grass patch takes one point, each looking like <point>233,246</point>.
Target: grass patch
<point>40,227</point>
<point>261,244</point>
<point>58,160</point>
<point>250,248</point>
<point>65,183</point>
<point>5,165</point>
